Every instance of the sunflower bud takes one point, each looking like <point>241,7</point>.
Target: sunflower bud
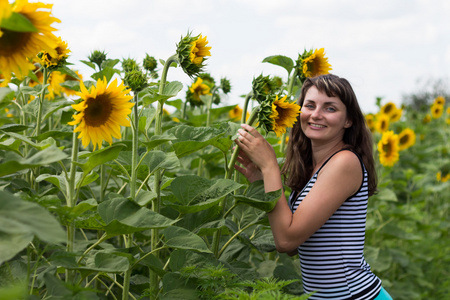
<point>56,60</point>
<point>136,80</point>
<point>129,64</point>
<point>149,63</point>
<point>192,52</point>
<point>97,57</point>
<point>226,85</point>
<point>263,86</point>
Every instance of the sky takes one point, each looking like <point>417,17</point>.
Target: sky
<point>382,47</point>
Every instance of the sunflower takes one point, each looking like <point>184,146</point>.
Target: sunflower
<point>197,89</point>
<point>192,52</point>
<point>236,114</point>
<point>16,48</point>
<point>101,113</point>
<point>54,61</point>
<point>437,111</point>
<point>396,115</point>
<point>382,123</point>
<point>54,80</point>
<point>388,148</point>
<point>426,119</point>
<point>442,177</point>
<point>388,109</point>
<point>406,139</point>
<point>439,100</point>
<point>370,121</point>
<point>315,64</point>
<point>277,115</point>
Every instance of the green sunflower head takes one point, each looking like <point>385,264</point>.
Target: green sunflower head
<point>191,54</point>
<point>150,63</point>
<point>262,86</point>
<point>265,118</point>
<point>226,85</point>
<point>129,64</point>
<point>136,80</point>
<point>97,57</point>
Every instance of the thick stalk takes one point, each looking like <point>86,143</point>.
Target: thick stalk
<point>154,280</point>
<point>245,108</point>
<point>135,145</point>
<point>41,102</point>
<point>71,201</point>
<point>127,275</point>
<point>216,237</point>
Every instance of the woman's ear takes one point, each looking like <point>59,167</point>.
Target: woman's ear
<point>348,124</point>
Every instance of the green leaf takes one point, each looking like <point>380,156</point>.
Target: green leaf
<point>47,156</point>
<point>172,88</point>
<point>88,63</point>
<point>53,106</point>
<point>157,140</point>
<point>280,60</point>
<point>195,193</point>
<point>13,127</point>
<point>100,157</point>
<point>161,160</point>
<point>123,216</point>
<point>180,238</point>
<point>107,262</point>
<point>191,139</point>
<point>256,197</point>
<point>5,92</point>
<point>146,119</point>
<point>18,22</point>
<point>20,221</point>
<point>385,194</point>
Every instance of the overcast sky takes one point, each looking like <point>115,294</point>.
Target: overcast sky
<point>382,47</point>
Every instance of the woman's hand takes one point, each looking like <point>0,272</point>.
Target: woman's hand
<point>256,154</point>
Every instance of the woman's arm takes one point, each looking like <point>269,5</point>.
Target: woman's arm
<point>339,179</point>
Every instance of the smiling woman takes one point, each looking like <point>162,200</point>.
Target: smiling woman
<point>330,168</point>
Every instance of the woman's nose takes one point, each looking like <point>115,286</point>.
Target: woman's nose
<point>316,113</point>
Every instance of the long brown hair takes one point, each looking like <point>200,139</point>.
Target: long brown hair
<point>298,166</point>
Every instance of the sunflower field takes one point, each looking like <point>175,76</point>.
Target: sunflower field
<point>119,185</point>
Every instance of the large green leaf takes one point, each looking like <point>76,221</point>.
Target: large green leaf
<point>191,139</point>
<point>107,262</point>
<point>171,89</point>
<point>180,238</point>
<point>123,216</point>
<point>100,157</point>
<point>13,164</point>
<point>195,193</point>
<point>280,60</point>
<point>161,160</point>
<point>13,127</point>
<point>157,140</point>
<point>20,221</point>
<point>255,196</point>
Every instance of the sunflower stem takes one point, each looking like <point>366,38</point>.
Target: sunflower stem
<point>289,94</point>
<point>154,280</point>
<point>135,145</point>
<point>41,101</point>
<point>216,238</point>
<point>245,109</point>
<point>71,201</point>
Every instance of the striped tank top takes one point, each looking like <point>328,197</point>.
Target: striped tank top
<point>332,259</point>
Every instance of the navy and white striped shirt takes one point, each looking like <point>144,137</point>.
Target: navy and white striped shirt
<point>332,259</point>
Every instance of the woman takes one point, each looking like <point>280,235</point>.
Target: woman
<point>330,168</point>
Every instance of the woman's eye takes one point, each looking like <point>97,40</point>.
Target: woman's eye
<point>332,109</point>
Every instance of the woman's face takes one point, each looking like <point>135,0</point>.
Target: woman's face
<point>323,119</point>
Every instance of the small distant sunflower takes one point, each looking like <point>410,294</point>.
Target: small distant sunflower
<point>396,115</point>
<point>8,114</point>
<point>426,119</point>
<point>17,48</point>
<point>406,139</point>
<point>439,100</point>
<point>442,177</point>
<point>55,79</point>
<point>236,113</point>
<point>388,109</point>
<point>388,148</point>
<point>192,52</point>
<point>370,121</point>
<point>278,114</point>
<point>382,123</point>
<point>436,111</point>
<point>51,61</point>
<point>101,113</point>
<point>197,89</point>
<point>312,64</point>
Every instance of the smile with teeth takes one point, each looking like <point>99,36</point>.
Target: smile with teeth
<point>316,125</point>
